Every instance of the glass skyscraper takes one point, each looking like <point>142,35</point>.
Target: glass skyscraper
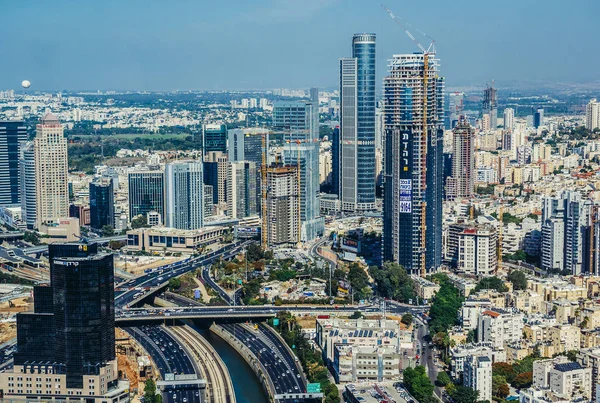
<point>184,195</point>
<point>413,175</point>
<point>146,193</point>
<point>102,204</point>
<point>357,131</point>
<point>214,138</point>
<point>12,134</point>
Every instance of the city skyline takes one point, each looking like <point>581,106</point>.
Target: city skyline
<point>308,45</point>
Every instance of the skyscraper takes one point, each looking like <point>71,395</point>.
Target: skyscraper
<point>27,185</point>
<point>215,175</point>
<point>509,119</point>
<point>214,138</point>
<point>12,135</point>
<point>300,120</point>
<point>461,185</point>
<point>146,192</point>
<point>102,203</point>
<point>538,118</point>
<point>456,106</point>
<point>184,195</point>
<point>413,176</point>
<point>357,129</point>
<point>283,203</point>
<point>241,189</point>
<point>335,160</point>
<point>68,342</point>
<point>51,166</point>
<point>490,105</point>
<point>592,115</point>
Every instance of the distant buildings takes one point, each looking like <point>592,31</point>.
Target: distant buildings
<point>413,177</point>
<point>51,168</point>
<point>592,115</point>
<point>490,106</point>
<point>66,347</point>
<point>184,195</point>
<point>509,119</point>
<point>12,135</point>
<point>357,126</point>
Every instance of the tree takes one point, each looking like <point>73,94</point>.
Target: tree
<point>254,252</point>
<point>446,304</point>
<point>393,282</point>
<point>150,395</point>
<point>407,319</point>
<point>463,394</point>
<point>518,279</point>
<point>471,336</point>
<point>491,283</point>
<point>500,386</point>
<point>358,279</point>
<point>504,370</point>
<point>31,237</point>
<point>356,315</point>
<point>108,230</point>
<point>174,283</point>
<point>139,222</point>
<point>523,380</point>
<point>443,379</point>
<point>417,383</point>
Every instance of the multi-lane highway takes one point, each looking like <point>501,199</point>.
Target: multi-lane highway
<point>280,366</point>
<point>169,356</point>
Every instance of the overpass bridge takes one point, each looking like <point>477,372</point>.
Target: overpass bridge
<point>103,240</point>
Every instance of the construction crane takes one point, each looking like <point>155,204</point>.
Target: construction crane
<point>424,132</point>
<point>263,186</point>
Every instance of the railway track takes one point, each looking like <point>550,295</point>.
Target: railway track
<point>217,379</point>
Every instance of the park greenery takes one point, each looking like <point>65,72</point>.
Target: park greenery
<point>418,384</point>
<point>392,281</point>
<point>312,362</point>
<point>491,283</point>
<point>445,305</point>
<point>150,395</point>
<point>518,279</point>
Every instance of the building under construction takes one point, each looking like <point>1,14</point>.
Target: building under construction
<point>283,206</point>
<point>461,185</point>
<point>413,174</point>
<point>490,105</point>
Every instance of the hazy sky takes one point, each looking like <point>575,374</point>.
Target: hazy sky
<point>246,44</point>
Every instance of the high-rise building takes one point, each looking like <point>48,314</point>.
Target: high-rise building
<point>283,205</point>
<point>246,145</point>
<point>215,175</point>
<point>357,126</point>
<point>538,118</point>
<point>456,107</point>
<point>51,168</point>
<point>335,161</point>
<point>241,189</point>
<point>592,115</point>
<point>509,119</point>
<point>300,120</point>
<point>27,185</point>
<point>12,135</point>
<point>490,105</point>
<point>184,191</point>
<point>68,343</point>
<point>208,201</point>
<point>477,375</point>
<point>462,182</point>
<point>146,192</point>
<point>214,138</point>
<point>413,176</point>
<point>102,203</point>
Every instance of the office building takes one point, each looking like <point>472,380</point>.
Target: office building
<point>490,105</point>
<point>456,107</point>
<point>509,120</point>
<point>215,175</point>
<point>12,135</point>
<point>358,363</point>
<point>146,192</point>
<point>461,185</point>
<point>247,145</point>
<point>51,168</point>
<point>161,239</point>
<point>102,203</point>
<point>283,206</point>
<point>477,375</point>
<point>27,185</point>
<point>241,189</point>
<point>66,347</point>
<point>357,126</point>
<point>335,161</point>
<point>592,115</point>
<point>538,118</point>
<point>184,195</point>
<point>413,188</point>
<point>208,201</point>
<point>300,121</point>
<point>214,138</point>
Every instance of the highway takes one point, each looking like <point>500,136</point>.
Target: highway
<point>106,239</point>
<point>168,355</point>
<point>280,367</point>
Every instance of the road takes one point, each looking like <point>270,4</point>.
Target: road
<point>426,354</point>
<point>168,355</point>
<point>106,239</point>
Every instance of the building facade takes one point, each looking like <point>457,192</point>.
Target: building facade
<point>51,168</point>
<point>477,375</point>
<point>214,138</point>
<point>283,206</point>
<point>241,189</point>
<point>357,126</point>
<point>490,107</point>
<point>27,185</point>
<point>146,192</point>
<point>413,188</point>
<point>102,203</point>
<point>461,185</point>
<point>592,115</point>
<point>12,136</point>
<point>184,195</point>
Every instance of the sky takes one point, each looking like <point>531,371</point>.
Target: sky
<point>263,44</point>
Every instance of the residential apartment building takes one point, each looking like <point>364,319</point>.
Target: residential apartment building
<point>499,326</point>
<point>477,375</point>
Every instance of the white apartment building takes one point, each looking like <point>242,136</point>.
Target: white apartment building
<point>477,375</point>
<point>592,115</point>
<point>477,251</point>
<point>357,363</point>
<point>470,311</point>
<point>559,379</point>
<point>499,326</point>
<point>460,353</point>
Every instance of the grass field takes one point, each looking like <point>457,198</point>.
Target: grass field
<point>152,136</point>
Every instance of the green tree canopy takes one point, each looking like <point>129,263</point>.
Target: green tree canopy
<point>254,252</point>
<point>518,279</point>
<point>445,306</point>
<point>139,222</point>
<point>358,280</point>
<point>443,379</point>
<point>417,383</point>
<point>491,283</point>
<point>393,282</point>
<point>463,394</point>
<point>407,319</point>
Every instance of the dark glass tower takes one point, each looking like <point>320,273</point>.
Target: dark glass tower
<point>146,193</point>
<point>102,204</point>
<point>214,138</point>
<point>335,161</point>
<point>75,334</point>
<point>357,135</point>
<point>12,134</point>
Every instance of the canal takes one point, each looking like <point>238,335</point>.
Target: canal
<point>245,383</point>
